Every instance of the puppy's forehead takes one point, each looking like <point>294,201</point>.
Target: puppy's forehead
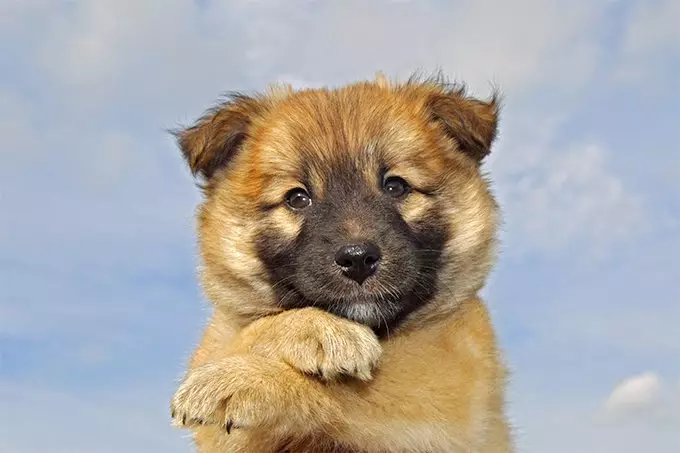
<point>321,134</point>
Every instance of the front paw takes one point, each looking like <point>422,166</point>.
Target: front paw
<point>245,391</point>
<point>316,342</point>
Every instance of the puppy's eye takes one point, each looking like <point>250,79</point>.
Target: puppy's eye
<point>395,187</point>
<point>298,199</point>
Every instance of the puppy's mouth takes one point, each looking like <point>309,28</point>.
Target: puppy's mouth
<point>373,303</point>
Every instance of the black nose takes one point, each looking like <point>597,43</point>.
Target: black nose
<point>358,261</point>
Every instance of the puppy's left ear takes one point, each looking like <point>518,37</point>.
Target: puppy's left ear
<point>471,123</point>
<point>211,143</point>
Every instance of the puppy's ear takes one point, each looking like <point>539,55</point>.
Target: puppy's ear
<point>470,122</point>
<point>213,140</point>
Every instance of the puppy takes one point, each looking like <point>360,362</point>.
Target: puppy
<point>344,235</point>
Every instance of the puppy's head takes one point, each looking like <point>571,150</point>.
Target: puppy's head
<point>366,200</point>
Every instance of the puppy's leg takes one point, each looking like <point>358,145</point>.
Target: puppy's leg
<point>314,342</point>
<point>258,378</point>
<point>249,391</point>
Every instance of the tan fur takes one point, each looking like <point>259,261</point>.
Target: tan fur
<point>304,380</point>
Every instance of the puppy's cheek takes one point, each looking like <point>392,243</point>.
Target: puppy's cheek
<point>415,208</point>
<point>226,238</point>
<point>237,251</point>
<point>473,224</point>
<point>285,223</point>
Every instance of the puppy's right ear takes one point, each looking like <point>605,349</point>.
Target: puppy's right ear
<point>214,139</point>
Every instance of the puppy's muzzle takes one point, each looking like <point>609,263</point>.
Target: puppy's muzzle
<point>358,261</point>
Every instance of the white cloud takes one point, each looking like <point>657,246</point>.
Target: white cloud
<point>556,198</point>
<point>156,47</point>
<point>633,394</point>
<point>155,53</point>
<point>471,39</point>
<point>641,414</point>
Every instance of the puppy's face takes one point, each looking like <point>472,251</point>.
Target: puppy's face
<point>366,200</point>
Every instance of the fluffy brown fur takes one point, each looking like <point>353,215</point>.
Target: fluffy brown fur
<point>299,358</point>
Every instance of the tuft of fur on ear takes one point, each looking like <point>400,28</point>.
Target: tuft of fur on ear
<point>382,81</point>
<point>210,143</point>
<point>472,123</point>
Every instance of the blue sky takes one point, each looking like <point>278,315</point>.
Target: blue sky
<point>99,306</point>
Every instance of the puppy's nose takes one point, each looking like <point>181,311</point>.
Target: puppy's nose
<point>358,261</point>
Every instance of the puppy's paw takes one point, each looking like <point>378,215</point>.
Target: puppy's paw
<point>246,391</point>
<point>316,342</point>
